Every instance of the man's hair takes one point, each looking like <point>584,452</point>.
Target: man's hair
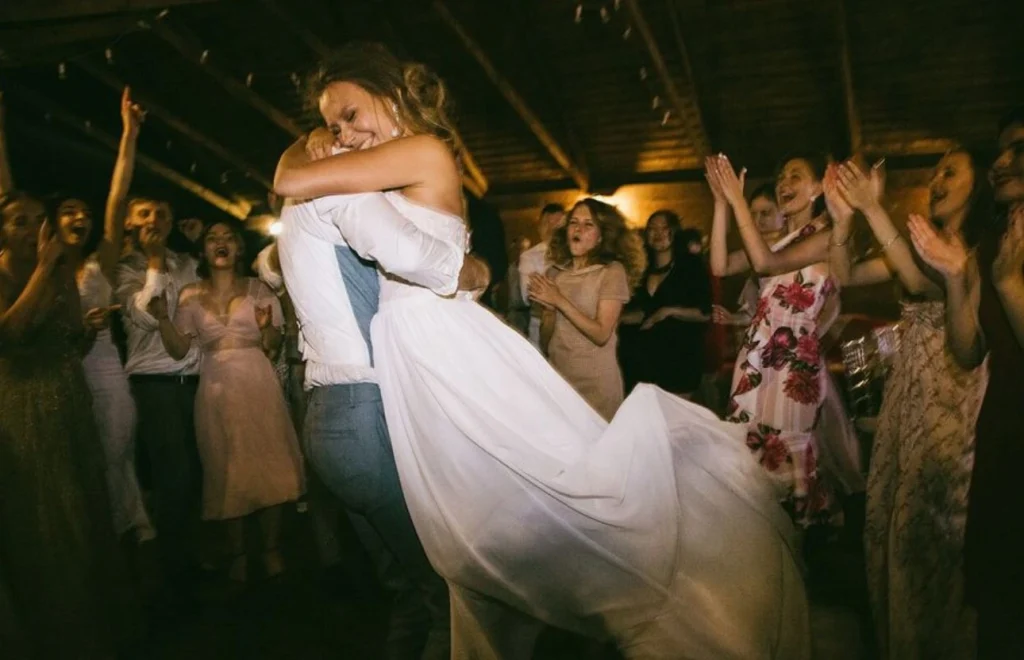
<point>1014,116</point>
<point>552,207</point>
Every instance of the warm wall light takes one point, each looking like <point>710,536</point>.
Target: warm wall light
<point>275,228</point>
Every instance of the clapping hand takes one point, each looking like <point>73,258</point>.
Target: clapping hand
<point>543,290</point>
<point>839,208</point>
<point>862,192</point>
<point>98,318</point>
<point>721,175</point>
<point>157,307</point>
<point>264,315</point>
<point>947,256</point>
<point>1009,262</point>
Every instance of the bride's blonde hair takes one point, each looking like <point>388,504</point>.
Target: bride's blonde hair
<point>416,93</point>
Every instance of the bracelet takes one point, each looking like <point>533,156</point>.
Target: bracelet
<point>832,244</point>
<point>896,237</point>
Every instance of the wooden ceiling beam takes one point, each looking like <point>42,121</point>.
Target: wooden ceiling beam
<point>17,38</point>
<point>691,118</point>
<point>299,27</point>
<point>513,97</point>
<point>853,125</point>
<point>41,10</point>
<point>701,118</point>
<point>237,209</point>
<point>189,46</point>
<point>177,124</point>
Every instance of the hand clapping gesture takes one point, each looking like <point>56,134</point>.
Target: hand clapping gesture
<point>948,257</point>
<point>264,316</point>
<point>723,179</point>
<point>543,290</point>
<point>839,207</point>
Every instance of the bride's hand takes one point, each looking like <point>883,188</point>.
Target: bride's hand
<point>320,143</point>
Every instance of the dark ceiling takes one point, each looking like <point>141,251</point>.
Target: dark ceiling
<point>551,94</point>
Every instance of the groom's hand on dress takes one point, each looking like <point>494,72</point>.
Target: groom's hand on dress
<point>475,274</point>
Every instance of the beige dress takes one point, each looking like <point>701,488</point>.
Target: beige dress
<point>248,447</point>
<point>593,370</point>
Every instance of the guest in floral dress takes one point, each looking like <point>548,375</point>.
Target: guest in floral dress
<point>781,378</point>
<point>598,264</point>
<point>923,449</point>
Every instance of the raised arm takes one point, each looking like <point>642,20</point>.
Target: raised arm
<point>964,336</point>
<point>1008,272</point>
<point>16,319</point>
<point>723,262</point>
<point>6,177</point>
<point>109,249</point>
<point>864,193</point>
<point>762,259</point>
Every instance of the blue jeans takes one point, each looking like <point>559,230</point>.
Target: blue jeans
<point>347,443</point>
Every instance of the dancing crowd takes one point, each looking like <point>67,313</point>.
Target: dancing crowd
<point>562,459</point>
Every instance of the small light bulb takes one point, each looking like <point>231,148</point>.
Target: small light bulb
<point>275,228</point>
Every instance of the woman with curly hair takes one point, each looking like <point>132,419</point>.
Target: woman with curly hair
<point>598,263</point>
<point>531,505</point>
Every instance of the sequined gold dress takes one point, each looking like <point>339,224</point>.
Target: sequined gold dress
<point>61,562</point>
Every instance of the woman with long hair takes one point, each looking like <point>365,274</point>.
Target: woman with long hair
<point>598,262</point>
<point>781,379</point>
<point>923,448</point>
<point>670,309</point>
<point>247,444</point>
<point>61,560</point>
<point>527,501</point>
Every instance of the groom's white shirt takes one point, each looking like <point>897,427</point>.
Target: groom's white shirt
<point>329,337</point>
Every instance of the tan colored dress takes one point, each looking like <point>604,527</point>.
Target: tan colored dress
<point>593,370</point>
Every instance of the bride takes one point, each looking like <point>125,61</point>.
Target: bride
<point>658,529</point>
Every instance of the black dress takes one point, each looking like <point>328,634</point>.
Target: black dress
<point>671,353</point>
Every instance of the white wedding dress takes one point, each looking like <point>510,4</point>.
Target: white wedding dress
<point>658,529</point>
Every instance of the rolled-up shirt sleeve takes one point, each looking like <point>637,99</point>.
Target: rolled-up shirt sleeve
<point>134,291</point>
<point>376,230</point>
<point>267,274</point>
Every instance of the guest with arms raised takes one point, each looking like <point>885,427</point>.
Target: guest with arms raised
<point>923,448</point>
<point>985,316</point>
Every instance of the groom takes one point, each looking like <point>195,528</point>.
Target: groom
<point>335,295</point>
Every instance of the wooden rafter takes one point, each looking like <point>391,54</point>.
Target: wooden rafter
<point>292,22</point>
<point>179,125</point>
<point>679,105</point>
<point>853,125</point>
<point>514,98</point>
<point>701,115</point>
<point>239,210</point>
<point>39,10</point>
<point>189,46</point>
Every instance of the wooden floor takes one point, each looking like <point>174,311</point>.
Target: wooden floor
<point>341,615</point>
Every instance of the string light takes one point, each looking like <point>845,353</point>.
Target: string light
<point>605,16</point>
<point>643,73</point>
<point>88,125</point>
<point>163,14</point>
<point>204,56</point>
<point>655,102</point>
<point>295,79</point>
<point>168,145</point>
<point>248,80</point>
<point>665,117</point>
<point>627,32</point>
<point>618,5</point>
<point>62,71</point>
<point>579,13</point>
<point>192,168</point>
<point>109,54</point>
<point>224,177</point>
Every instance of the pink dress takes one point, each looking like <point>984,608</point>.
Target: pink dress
<point>247,445</point>
<point>781,381</point>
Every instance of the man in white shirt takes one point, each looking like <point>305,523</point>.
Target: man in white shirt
<point>535,262</point>
<point>335,295</point>
<point>164,388</point>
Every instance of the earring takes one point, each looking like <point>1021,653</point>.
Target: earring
<point>396,131</point>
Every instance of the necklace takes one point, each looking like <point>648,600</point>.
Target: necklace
<point>661,270</point>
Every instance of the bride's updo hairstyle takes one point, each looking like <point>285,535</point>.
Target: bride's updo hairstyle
<point>417,93</point>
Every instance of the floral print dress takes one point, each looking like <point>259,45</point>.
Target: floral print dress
<point>781,379</point>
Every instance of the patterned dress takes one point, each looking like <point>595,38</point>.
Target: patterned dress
<point>917,495</point>
<point>781,379</point>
